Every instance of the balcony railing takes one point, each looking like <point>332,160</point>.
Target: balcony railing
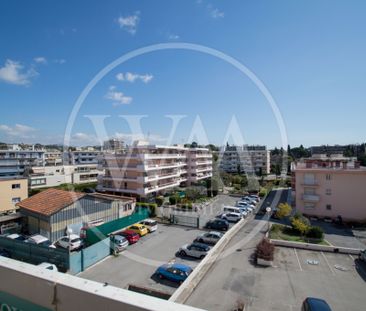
<point>310,183</point>
<point>310,197</point>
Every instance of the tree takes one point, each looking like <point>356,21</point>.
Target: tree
<point>300,226</point>
<point>283,210</point>
<point>265,250</point>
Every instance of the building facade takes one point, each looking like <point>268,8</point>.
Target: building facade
<point>81,157</point>
<point>330,186</point>
<point>12,191</point>
<point>245,159</point>
<point>151,169</point>
<point>113,145</point>
<point>51,212</point>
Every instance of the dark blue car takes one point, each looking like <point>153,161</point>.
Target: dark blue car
<point>218,224</point>
<point>174,272</point>
<point>315,304</point>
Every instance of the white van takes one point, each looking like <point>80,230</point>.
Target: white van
<point>231,209</point>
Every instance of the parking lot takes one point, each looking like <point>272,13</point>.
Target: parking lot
<point>297,274</point>
<point>137,264</point>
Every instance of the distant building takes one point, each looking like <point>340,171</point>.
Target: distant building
<point>144,170</point>
<point>328,150</point>
<point>330,186</point>
<point>52,211</point>
<point>248,159</point>
<point>12,191</point>
<point>81,157</point>
<point>113,145</point>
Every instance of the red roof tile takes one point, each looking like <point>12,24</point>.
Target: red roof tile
<point>50,201</point>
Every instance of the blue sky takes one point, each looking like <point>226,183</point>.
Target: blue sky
<point>309,54</point>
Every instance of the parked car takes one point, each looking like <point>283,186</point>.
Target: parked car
<point>16,236</point>
<point>197,250</point>
<point>315,304</point>
<point>250,200</point>
<point>141,230</point>
<point>4,253</point>
<point>131,236</point>
<point>40,240</point>
<point>211,237</point>
<point>247,209</point>
<point>245,204</point>
<point>72,242</point>
<point>218,224</point>
<point>150,224</point>
<point>230,217</point>
<point>362,255</point>
<point>120,242</point>
<point>174,272</point>
<point>48,266</point>
<point>255,197</point>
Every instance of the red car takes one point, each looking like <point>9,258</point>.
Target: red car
<point>131,236</point>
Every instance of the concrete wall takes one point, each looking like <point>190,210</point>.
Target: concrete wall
<point>7,193</point>
<point>42,288</point>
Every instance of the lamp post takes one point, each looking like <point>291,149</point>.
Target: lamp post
<point>268,210</point>
<point>69,232</point>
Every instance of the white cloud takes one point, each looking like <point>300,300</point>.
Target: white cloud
<point>18,130</point>
<point>84,139</point>
<point>215,12</point>
<point>129,23</point>
<point>118,98</point>
<point>132,77</point>
<point>13,72</point>
<point>60,61</point>
<point>129,138</point>
<point>40,60</point>
<point>173,37</point>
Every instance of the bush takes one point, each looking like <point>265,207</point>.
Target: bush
<point>159,200</point>
<point>265,250</point>
<point>262,193</point>
<point>300,226</point>
<point>283,210</point>
<point>173,200</point>
<point>315,233</point>
<point>276,228</point>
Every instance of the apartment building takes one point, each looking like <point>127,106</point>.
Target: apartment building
<point>12,191</point>
<point>53,158</point>
<point>245,159</point>
<point>113,145</point>
<point>79,157</point>
<point>330,186</point>
<point>16,162</point>
<point>144,170</point>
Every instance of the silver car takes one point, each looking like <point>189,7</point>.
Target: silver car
<point>197,250</point>
<point>211,237</point>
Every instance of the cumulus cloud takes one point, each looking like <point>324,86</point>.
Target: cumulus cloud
<point>84,139</point>
<point>40,60</point>
<point>17,131</point>
<point>117,97</point>
<point>173,36</point>
<point>132,77</point>
<point>129,23</point>
<point>13,73</point>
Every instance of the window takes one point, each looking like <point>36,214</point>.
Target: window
<point>15,200</point>
<point>329,207</point>
<point>328,191</point>
<point>328,177</point>
<point>15,186</point>
<point>309,205</point>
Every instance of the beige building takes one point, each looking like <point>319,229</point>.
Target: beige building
<point>12,191</point>
<point>330,187</point>
<point>151,169</point>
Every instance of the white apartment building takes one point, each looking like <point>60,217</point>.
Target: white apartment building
<point>248,159</point>
<point>143,170</point>
<point>81,157</point>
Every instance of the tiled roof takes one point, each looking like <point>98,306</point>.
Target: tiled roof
<point>50,201</point>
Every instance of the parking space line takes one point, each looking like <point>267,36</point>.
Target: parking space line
<point>351,257</point>
<point>298,260</point>
<point>329,266</point>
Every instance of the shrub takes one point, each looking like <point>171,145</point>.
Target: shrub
<point>265,250</point>
<point>262,192</point>
<point>159,200</point>
<point>315,233</point>
<point>174,199</point>
<point>299,225</point>
<point>283,210</point>
<point>276,228</point>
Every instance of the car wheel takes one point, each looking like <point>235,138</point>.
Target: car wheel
<point>202,256</point>
<point>182,253</point>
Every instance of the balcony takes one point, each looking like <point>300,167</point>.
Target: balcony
<point>310,183</point>
<point>310,197</point>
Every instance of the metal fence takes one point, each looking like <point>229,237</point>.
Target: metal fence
<point>184,220</point>
<point>35,254</point>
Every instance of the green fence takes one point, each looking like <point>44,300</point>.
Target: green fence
<point>99,233</point>
<point>35,254</point>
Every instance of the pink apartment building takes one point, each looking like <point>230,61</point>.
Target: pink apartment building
<point>329,187</point>
<point>142,170</point>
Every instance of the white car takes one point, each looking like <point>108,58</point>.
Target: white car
<point>232,217</point>
<point>211,237</point>
<point>72,242</point>
<point>197,250</point>
<point>250,207</point>
<point>244,212</point>
<point>250,200</point>
<point>255,197</point>
<point>150,224</point>
<point>39,240</point>
<point>48,266</point>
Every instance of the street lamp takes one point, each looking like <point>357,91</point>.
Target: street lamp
<point>268,210</point>
<point>69,232</point>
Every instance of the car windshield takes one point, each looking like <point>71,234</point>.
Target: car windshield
<point>75,240</point>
